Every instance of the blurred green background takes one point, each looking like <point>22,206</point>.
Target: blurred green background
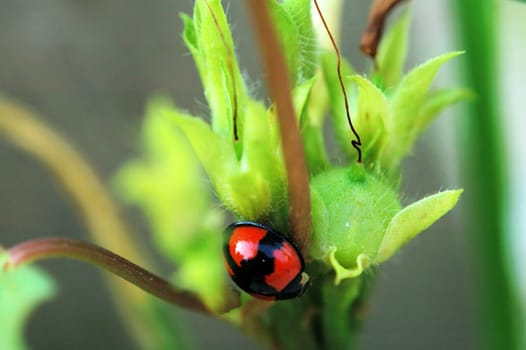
<point>89,66</point>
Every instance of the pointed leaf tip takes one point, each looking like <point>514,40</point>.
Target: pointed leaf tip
<point>371,115</point>
<point>406,103</point>
<point>414,219</point>
<point>392,51</point>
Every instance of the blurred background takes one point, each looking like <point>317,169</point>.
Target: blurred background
<point>88,67</point>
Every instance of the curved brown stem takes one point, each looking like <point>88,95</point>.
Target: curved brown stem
<point>375,25</point>
<point>25,129</point>
<point>46,248</point>
<point>279,86</point>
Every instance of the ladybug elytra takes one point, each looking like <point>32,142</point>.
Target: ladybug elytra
<point>263,263</point>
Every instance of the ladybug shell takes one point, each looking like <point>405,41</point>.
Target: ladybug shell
<point>263,263</point>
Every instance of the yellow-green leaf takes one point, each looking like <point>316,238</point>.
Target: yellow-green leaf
<point>337,101</point>
<point>406,103</point>
<point>362,263</point>
<point>414,219</point>
<point>392,51</point>
<point>370,116</point>
<point>21,291</point>
<point>436,101</point>
<point>208,37</point>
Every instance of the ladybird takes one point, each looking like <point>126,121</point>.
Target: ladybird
<point>263,262</point>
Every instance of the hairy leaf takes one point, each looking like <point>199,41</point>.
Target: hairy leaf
<point>392,51</point>
<point>405,104</point>
<point>414,219</point>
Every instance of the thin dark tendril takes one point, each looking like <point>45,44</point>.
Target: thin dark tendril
<point>230,66</point>
<point>355,143</point>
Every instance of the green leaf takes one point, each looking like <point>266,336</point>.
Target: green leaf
<point>209,40</point>
<point>247,186</point>
<point>191,41</point>
<point>201,269</point>
<point>249,195</point>
<point>310,128</point>
<point>288,36</point>
<point>21,291</point>
<point>371,116</point>
<point>300,98</point>
<point>215,153</point>
<point>258,185</point>
<point>315,151</point>
<point>292,20</point>
<point>168,185</point>
<point>414,219</point>
<point>337,101</point>
<point>168,328</point>
<point>392,51</point>
<point>413,88</point>
<point>306,57</point>
<point>406,103</point>
<point>436,101</point>
<point>166,182</point>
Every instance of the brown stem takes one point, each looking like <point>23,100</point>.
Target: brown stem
<point>279,86</point>
<point>46,248</point>
<point>375,25</point>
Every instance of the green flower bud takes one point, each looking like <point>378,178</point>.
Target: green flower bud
<point>358,220</point>
<point>351,210</point>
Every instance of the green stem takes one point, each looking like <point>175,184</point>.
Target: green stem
<point>484,169</point>
<point>47,248</point>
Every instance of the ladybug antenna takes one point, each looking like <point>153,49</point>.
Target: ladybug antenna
<point>357,142</point>
<point>230,67</point>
